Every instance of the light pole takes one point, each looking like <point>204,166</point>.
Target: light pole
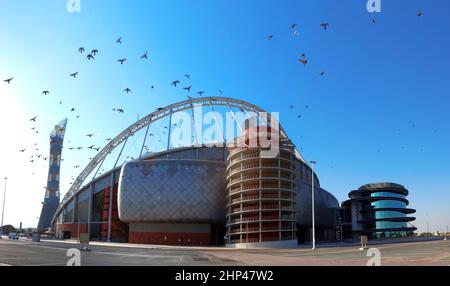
<point>3,209</point>
<point>313,206</point>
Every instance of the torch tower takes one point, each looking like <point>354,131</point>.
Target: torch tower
<point>51,200</point>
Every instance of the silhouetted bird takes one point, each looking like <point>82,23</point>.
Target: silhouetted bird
<point>270,37</point>
<point>420,13</point>
<point>81,50</point>
<point>22,151</point>
<point>293,26</point>
<point>121,61</point>
<point>188,88</point>
<point>90,135</point>
<point>324,25</point>
<point>127,90</point>
<point>322,73</point>
<point>72,110</point>
<point>94,52</point>
<point>74,75</point>
<point>89,57</point>
<point>200,93</point>
<point>8,80</point>
<point>45,92</point>
<point>303,61</point>
<point>33,119</point>
<point>188,76</point>
<point>119,40</point>
<point>175,83</point>
<point>144,56</point>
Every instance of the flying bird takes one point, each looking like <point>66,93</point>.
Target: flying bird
<point>89,57</point>
<point>81,50</point>
<point>322,73</point>
<point>94,52</point>
<point>33,119</point>
<point>127,90</point>
<point>188,76</point>
<point>270,37</point>
<point>293,26</point>
<point>120,110</point>
<point>90,135</point>
<point>188,88</point>
<point>144,56</point>
<point>119,40</point>
<point>200,93</point>
<point>324,25</point>
<point>8,80</point>
<point>74,75</point>
<point>22,151</point>
<point>121,61</point>
<point>420,13</point>
<point>303,61</point>
<point>45,92</point>
<point>175,83</point>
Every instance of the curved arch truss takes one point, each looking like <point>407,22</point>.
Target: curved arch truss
<point>157,115</point>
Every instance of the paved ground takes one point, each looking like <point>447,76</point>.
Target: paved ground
<point>27,253</point>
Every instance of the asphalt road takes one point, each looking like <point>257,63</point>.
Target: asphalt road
<point>27,253</point>
<point>48,253</point>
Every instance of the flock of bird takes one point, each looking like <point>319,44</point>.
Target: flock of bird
<point>175,83</point>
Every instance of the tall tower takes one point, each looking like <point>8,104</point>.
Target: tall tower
<point>51,200</point>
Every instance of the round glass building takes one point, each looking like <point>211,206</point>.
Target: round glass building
<point>380,211</point>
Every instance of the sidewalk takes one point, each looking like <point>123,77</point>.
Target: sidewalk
<point>209,248</point>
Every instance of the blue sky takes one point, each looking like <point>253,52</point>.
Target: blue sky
<point>380,113</point>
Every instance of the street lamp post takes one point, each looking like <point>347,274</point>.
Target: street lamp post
<point>313,206</point>
<point>3,208</point>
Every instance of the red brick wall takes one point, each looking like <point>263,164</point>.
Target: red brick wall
<point>119,229</point>
<point>169,238</point>
<point>73,228</point>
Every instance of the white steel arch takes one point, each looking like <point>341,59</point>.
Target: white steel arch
<point>157,115</point>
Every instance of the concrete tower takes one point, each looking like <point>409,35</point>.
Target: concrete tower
<point>51,200</point>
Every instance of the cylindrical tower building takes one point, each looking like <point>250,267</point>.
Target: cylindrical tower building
<point>261,203</point>
<point>51,200</point>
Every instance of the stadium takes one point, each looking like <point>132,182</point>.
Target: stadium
<point>199,193</point>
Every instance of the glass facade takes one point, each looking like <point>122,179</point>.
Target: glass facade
<point>381,211</point>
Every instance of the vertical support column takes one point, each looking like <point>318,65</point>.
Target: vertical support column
<point>112,190</point>
<point>170,130</point>
<point>91,194</point>
<point>111,195</point>
<point>145,140</point>
<point>75,212</point>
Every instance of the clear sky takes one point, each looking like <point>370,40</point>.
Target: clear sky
<point>379,113</point>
